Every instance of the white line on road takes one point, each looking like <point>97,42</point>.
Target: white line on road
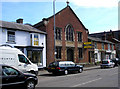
<point>86,82</point>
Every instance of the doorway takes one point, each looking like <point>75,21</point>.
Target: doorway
<point>70,55</point>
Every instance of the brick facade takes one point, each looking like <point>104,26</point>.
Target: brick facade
<point>64,18</point>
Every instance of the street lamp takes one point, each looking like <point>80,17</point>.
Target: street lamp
<point>54,30</point>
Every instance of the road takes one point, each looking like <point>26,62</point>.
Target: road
<point>91,78</point>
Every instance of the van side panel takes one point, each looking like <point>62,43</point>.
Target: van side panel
<point>9,58</point>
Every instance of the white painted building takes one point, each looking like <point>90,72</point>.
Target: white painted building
<point>26,38</point>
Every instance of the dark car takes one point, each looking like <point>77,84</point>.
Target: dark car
<point>64,67</point>
<point>14,79</point>
<point>116,61</point>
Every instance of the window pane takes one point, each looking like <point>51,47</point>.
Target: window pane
<point>80,37</point>
<point>80,53</point>
<point>11,36</point>
<point>58,50</point>
<point>69,33</point>
<point>7,71</point>
<point>58,33</point>
<point>36,40</point>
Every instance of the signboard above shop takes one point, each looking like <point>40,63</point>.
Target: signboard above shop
<point>87,45</point>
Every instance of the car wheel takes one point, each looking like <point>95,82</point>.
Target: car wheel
<point>54,73</point>
<point>66,72</point>
<point>80,70</point>
<point>102,67</point>
<point>30,84</point>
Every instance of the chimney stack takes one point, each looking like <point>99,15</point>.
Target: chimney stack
<point>19,21</point>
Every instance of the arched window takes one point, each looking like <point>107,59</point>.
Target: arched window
<point>69,33</point>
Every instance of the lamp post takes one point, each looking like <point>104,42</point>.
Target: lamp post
<point>54,30</point>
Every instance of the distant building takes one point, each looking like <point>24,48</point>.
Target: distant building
<point>28,39</point>
<point>113,36</point>
<point>70,36</point>
<point>102,49</point>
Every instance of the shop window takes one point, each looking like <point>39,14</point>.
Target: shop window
<point>58,51</point>
<point>79,36</point>
<point>80,53</point>
<point>36,39</point>
<point>35,56</point>
<point>69,33</point>
<point>58,33</point>
<point>11,36</point>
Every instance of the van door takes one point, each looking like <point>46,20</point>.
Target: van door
<point>23,63</point>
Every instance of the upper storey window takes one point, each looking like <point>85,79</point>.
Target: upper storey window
<point>69,33</point>
<point>58,33</point>
<point>11,36</point>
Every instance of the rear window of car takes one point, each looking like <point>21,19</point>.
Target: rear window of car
<point>104,62</point>
<point>54,64</point>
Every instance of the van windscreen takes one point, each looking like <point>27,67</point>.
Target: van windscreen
<point>22,58</point>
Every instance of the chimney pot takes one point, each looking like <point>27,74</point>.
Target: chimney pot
<point>19,20</point>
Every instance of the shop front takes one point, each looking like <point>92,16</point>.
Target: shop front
<point>35,54</point>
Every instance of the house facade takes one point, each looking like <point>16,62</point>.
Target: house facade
<point>29,40</point>
<point>102,49</point>
<point>70,34</point>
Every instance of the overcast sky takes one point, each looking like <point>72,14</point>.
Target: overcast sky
<point>96,15</point>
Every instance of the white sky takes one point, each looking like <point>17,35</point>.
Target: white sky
<point>96,3</point>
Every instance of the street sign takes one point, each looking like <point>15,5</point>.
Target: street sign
<point>87,45</point>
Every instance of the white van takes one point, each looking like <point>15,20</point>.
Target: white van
<point>15,58</point>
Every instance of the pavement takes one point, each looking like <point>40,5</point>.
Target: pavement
<point>41,72</point>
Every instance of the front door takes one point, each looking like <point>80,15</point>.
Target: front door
<point>70,55</point>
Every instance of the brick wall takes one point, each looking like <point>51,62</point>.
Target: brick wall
<point>63,18</point>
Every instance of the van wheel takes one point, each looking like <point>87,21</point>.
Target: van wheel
<point>66,72</point>
<point>30,84</point>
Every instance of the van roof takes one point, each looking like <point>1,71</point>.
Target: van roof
<point>9,48</point>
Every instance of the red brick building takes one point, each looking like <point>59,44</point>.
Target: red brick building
<point>70,35</point>
<point>102,49</point>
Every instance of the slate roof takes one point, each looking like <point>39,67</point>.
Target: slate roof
<point>18,26</point>
<point>41,23</point>
<point>99,40</point>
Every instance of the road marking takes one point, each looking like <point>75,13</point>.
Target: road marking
<point>86,82</point>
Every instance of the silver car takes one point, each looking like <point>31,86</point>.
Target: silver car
<point>107,63</point>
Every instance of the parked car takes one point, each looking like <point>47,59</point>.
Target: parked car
<point>16,58</point>
<point>15,79</point>
<point>116,61</point>
<point>107,63</point>
<point>64,67</point>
